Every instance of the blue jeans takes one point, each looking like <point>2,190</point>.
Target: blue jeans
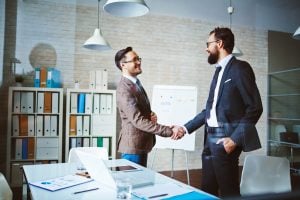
<point>140,159</point>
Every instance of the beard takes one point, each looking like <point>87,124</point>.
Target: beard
<point>213,58</point>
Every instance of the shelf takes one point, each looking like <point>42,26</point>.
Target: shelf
<point>34,128</point>
<point>283,95</point>
<point>96,119</point>
<point>285,71</point>
<point>285,119</point>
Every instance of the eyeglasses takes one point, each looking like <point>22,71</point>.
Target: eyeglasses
<point>207,43</point>
<point>134,60</point>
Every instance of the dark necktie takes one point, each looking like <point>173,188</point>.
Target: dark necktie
<point>141,89</point>
<point>210,99</point>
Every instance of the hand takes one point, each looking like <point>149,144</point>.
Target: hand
<point>153,117</point>
<point>178,132</point>
<point>228,143</point>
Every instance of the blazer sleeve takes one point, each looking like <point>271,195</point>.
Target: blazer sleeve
<point>196,122</point>
<point>129,105</point>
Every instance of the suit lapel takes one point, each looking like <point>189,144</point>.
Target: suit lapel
<point>224,77</point>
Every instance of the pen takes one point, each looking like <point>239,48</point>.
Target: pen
<point>159,195</point>
<point>86,190</point>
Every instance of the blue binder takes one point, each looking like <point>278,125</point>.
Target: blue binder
<point>24,148</point>
<point>53,78</point>
<point>81,103</point>
<point>37,80</point>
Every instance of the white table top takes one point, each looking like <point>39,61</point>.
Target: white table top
<point>48,171</point>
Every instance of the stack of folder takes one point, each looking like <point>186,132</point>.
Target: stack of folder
<point>47,77</point>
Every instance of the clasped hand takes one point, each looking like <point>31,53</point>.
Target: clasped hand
<point>178,132</point>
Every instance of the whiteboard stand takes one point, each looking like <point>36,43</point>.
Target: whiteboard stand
<point>172,172</point>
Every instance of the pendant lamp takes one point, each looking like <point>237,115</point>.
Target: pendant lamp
<point>97,42</point>
<point>126,8</point>
<point>297,34</point>
<point>236,51</point>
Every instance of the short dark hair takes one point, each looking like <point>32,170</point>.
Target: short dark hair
<point>120,55</point>
<point>226,35</point>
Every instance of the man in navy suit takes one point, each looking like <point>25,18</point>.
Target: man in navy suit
<point>232,110</point>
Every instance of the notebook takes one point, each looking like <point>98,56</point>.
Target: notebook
<point>100,173</point>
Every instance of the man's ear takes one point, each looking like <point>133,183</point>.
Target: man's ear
<point>221,44</point>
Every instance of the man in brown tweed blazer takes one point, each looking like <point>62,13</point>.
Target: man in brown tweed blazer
<point>139,123</point>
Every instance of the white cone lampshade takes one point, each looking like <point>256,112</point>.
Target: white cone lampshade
<point>236,51</point>
<point>126,8</point>
<point>97,42</point>
<point>297,34</point>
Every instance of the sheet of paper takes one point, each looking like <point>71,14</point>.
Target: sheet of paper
<point>159,191</point>
<point>61,182</point>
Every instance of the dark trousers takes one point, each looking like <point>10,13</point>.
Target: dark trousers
<point>220,171</point>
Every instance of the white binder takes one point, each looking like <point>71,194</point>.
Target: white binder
<point>99,79</point>
<point>40,102</point>
<point>47,125</point>
<point>39,125</point>
<point>53,125</point>
<point>31,125</point>
<point>96,104</point>
<point>104,79</point>
<point>18,153</point>
<point>30,105</point>
<point>86,125</point>
<point>55,105</point>
<point>103,104</point>
<point>106,143</point>
<point>15,123</point>
<point>109,103</point>
<point>88,104</point>
<point>24,102</point>
<point>94,142</point>
<point>73,102</point>
<point>72,143</point>
<point>79,123</point>
<point>17,102</point>
<point>86,142</point>
<point>92,84</point>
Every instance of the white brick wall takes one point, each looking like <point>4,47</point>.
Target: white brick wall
<point>173,52</point>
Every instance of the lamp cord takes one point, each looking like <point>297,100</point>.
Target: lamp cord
<point>98,14</point>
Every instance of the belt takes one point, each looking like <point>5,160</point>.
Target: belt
<point>214,130</point>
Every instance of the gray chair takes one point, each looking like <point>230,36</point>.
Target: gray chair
<point>265,175</point>
<point>5,191</point>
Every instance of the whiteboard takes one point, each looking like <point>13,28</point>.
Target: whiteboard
<point>175,105</point>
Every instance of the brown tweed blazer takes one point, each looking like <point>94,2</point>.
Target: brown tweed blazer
<point>138,132</point>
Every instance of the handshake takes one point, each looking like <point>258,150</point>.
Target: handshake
<point>178,132</point>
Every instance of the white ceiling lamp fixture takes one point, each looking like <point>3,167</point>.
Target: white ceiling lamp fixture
<point>236,51</point>
<point>297,34</point>
<point>126,8</point>
<point>97,42</point>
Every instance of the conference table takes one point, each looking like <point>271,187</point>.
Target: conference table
<point>34,173</point>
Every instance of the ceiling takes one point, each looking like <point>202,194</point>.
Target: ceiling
<point>277,15</point>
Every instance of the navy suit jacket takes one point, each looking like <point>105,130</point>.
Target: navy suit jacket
<point>238,106</point>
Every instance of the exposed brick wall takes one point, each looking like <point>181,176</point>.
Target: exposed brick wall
<point>173,52</point>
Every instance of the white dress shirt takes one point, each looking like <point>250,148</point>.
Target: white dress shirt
<point>212,121</point>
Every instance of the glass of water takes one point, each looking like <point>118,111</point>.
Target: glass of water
<point>123,188</point>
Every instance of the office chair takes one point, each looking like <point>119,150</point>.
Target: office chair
<point>5,191</point>
<point>265,175</point>
<point>99,152</point>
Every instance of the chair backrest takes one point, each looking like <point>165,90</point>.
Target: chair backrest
<point>5,191</point>
<point>99,152</point>
<point>265,175</point>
